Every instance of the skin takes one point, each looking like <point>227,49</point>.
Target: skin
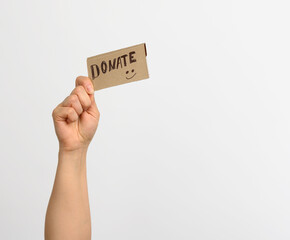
<point>75,121</point>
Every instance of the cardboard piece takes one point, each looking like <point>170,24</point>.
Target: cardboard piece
<point>118,67</point>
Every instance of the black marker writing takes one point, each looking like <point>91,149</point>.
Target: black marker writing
<point>112,64</point>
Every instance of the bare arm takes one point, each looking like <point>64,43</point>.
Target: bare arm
<point>75,120</point>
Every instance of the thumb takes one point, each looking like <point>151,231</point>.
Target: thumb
<point>93,109</point>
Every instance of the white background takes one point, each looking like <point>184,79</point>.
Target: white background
<point>200,150</point>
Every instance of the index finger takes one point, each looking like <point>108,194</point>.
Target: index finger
<point>86,83</point>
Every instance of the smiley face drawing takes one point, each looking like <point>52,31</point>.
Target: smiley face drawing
<point>132,75</point>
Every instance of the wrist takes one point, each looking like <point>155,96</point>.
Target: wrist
<point>73,148</point>
<point>73,152</point>
<point>72,159</point>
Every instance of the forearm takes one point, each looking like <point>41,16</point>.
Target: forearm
<point>68,213</point>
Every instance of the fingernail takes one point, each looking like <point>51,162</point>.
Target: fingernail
<point>90,89</point>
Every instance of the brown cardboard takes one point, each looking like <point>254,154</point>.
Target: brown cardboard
<point>118,67</point>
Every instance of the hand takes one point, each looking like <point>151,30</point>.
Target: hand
<point>76,118</point>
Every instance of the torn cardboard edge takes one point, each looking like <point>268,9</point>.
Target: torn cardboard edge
<point>118,67</point>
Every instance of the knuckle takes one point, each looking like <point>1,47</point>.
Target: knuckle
<point>54,112</point>
<point>81,80</point>
<point>79,89</point>
<point>74,98</point>
<point>72,115</point>
<point>71,111</point>
<point>78,80</point>
<point>98,113</point>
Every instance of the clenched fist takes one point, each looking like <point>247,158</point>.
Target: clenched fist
<point>76,118</point>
